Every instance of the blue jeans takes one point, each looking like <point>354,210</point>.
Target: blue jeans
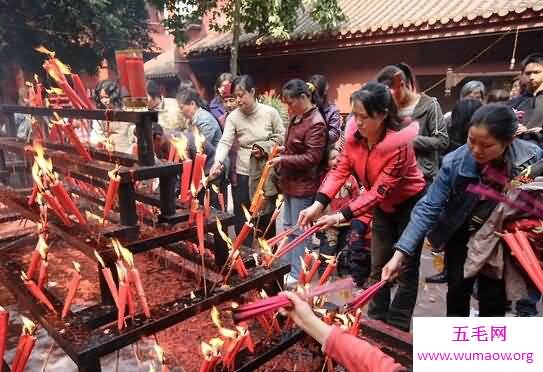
<point>528,306</point>
<point>292,207</point>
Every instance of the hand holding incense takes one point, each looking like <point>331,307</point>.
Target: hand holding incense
<point>248,311</point>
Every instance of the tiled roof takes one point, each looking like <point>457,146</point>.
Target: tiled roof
<point>163,65</point>
<point>367,17</point>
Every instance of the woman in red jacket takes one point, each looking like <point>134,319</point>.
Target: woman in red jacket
<point>378,154</point>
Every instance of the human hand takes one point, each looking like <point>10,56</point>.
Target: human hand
<point>275,161</point>
<point>393,267</point>
<point>216,170</point>
<point>302,314</point>
<point>521,129</point>
<point>330,220</point>
<point>308,215</point>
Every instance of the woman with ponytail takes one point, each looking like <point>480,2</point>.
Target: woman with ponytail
<point>318,87</point>
<point>415,106</point>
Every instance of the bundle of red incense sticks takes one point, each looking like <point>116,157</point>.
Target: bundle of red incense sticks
<point>364,297</point>
<point>260,307</point>
<point>295,242</point>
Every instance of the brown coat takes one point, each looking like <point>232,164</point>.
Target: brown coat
<point>305,144</point>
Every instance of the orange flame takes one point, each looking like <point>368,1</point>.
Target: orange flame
<point>77,266</point>
<point>159,353</point>
<point>264,247</point>
<point>247,213</point>
<point>42,247</point>
<point>99,258</point>
<point>46,166</point>
<point>44,50</point>
<point>279,201</point>
<point>29,327</point>
<point>127,256</point>
<point>114,173</point>
<point>199,139</point>
<point>329,259</point>
<point>121,271</point>
<point>180,145</point>
<point>223,235</point>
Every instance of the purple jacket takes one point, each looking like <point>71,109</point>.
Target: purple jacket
<point>333,121</point>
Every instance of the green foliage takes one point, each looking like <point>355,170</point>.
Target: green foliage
<point>275,18</point>
<point>81,32</point>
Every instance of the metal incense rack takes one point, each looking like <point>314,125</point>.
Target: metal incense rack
<point>91,332</point>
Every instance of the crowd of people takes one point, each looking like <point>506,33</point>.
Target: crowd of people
<point>391,175</point>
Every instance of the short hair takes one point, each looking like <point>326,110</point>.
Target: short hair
<point>245,82</point>
<point>186,96</point>
<point>532,58</point>
<point>472,86</point>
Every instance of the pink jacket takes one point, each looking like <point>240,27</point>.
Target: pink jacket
<point>389,173</point>
<point>356,355</point>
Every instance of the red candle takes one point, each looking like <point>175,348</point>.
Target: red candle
<point>76,143</point>
<point>313,271</point>
<point>72,289</point>
<point>130,299</point>
<point>39,92</point>
<point>136,79</point>
<point>207,208</point>
<point>193,208</point>
<point>53,203</point>
<point>34,263</point>
<point>328,271</point>
<point>140,292</point>
<point>241,269</point>
<point>37,293</point>
<point>65,200</point>
<point>82,92</point>
<point>120,59</point>
<point>123,298</point>
<point>303,271</point>
<point>108,276</point>
<point>185,181</point>
<point>4,321</point>
<point>243,234</point>
<point>354,327</point>
<point>198,170</point>
<point>112,190</point>
<point>25,355</point>
<point>42,279</point>
<point>72,95</point>
<point>200,231</point>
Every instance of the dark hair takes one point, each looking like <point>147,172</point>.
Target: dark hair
<point>185,84</point>
<point>532,58</point>
<point>387,74</point>
<point>377,99</point>
<point>318,86</point>
<point>497,95</point>
<point>245,82</point>
<point>112,90</point>
<point>472,86</point>
<point>153,89</point>
<point>499,119</point>
<point>296,88</point>
<point>225,76</point>
<point>461,120</point>
<point>186,96</point>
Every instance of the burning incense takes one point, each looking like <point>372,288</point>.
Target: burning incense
<point>248,311</point>
<point>363,298</point>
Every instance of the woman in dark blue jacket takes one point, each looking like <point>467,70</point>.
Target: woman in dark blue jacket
<point>455,214</point>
